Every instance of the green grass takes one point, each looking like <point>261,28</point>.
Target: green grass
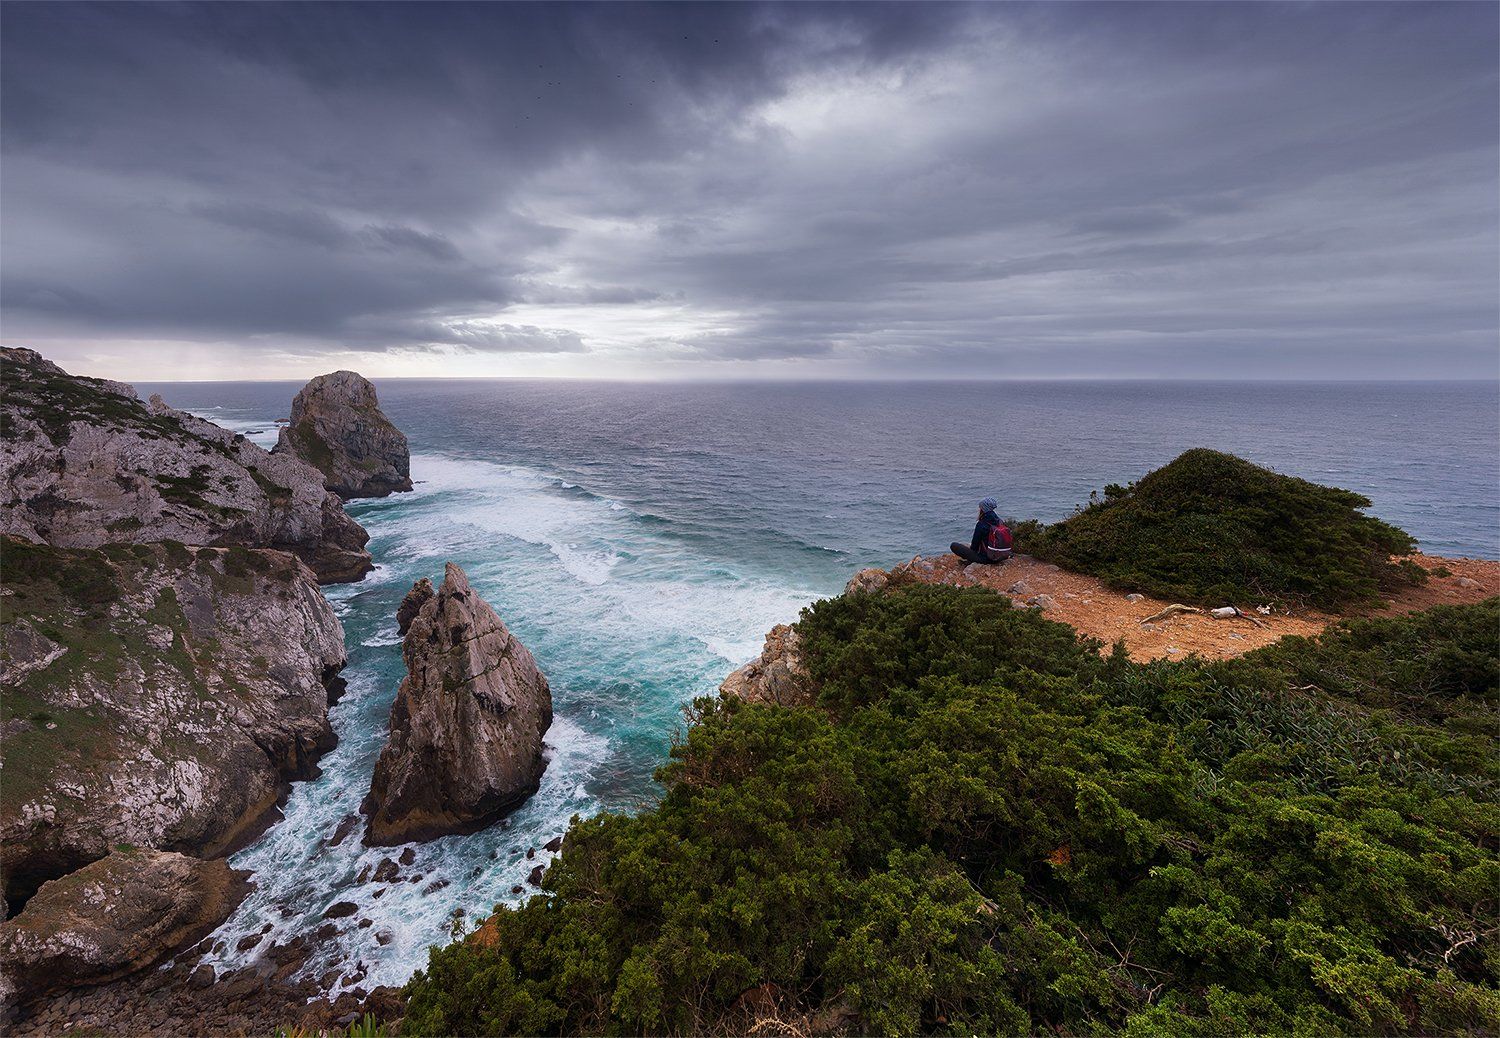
<point>1214,529</point>
<point>985,827</point>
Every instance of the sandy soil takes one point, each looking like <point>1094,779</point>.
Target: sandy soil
<point>1103,613</point>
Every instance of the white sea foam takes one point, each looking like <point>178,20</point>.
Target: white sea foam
<point>627,619</point>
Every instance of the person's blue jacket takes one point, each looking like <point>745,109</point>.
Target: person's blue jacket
<point>987,522</point>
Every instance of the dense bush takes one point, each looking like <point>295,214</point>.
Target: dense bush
<point>985,826</point>
<point>1215,529</point>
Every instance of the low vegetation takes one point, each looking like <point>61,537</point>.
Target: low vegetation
<point>1214,529</point>
<point>985,826</point>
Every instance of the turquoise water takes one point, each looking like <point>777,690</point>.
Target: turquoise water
<point>641,539</point>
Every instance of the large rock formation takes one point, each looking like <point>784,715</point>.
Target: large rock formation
<point>337,426</point>
<point>775,676</point>
<point>467,725</point>
<point>83,462</point>
<point>117,915</point>
<point>154,695</point>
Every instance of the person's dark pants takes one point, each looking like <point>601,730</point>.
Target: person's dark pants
<point>968,554</point>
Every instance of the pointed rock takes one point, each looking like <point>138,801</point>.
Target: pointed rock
<point>466,729</point>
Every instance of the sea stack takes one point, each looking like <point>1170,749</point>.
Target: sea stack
<point>466,729</point>
<point>338,428</point>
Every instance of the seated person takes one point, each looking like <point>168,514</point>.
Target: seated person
<point>991,541</point>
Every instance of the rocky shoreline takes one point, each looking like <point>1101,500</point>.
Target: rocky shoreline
<point>168,664</point>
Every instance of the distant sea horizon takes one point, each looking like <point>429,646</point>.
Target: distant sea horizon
<point>641,538</point>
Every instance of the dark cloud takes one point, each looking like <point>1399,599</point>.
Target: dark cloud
<point>867,189</point>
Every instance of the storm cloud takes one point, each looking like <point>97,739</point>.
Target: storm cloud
<point>1187,190</point>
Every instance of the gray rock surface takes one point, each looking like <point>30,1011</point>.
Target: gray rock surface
<point>113,917</point>
<point>775,676</point>
<point>154,695</point>
<point>466,728</point>
<point>337,427</point>
<point>84,462</point>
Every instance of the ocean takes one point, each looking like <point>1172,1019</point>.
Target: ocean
<point>641,538</point>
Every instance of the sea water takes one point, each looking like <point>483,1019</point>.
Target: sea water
<point>642,538</point>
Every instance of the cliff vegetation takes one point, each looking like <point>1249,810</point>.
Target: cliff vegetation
<point>981,825</point>
<point>1215,529</point>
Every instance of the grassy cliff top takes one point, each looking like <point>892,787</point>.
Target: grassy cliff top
<point>1215,529</point>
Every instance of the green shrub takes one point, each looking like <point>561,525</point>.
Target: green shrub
<point>1212,528</point>
<point>985,827</point>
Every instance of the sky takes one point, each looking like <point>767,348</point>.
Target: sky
<point>1194,190</point>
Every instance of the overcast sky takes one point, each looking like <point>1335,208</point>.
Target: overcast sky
<point>1189,190</point>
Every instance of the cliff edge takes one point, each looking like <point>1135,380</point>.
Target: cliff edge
<point>84,462</point>
<point>156,695</point>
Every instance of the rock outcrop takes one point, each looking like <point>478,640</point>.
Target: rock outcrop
<point>155,695</point>
<point>776,676</point>
<point>84,462</point>
<point>466,728</point>
<point>337,427</point>
<point>117,915</point>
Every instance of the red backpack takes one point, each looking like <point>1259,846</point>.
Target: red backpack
<point>997,544</point>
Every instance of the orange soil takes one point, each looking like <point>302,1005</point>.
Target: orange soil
<point>1104,613</point>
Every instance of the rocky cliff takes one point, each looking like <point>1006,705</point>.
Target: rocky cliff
<point>84,462</point>
<point>155,695</point>
<point>467,724</point>
<point>337,426</point>
<point>117,915</point>
<point>776,676</point>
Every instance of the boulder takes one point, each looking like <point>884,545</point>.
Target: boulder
<point>466,728</point>
<point>412,604</point>
<point>117,915</point>
<point>867,581</point>
<point>775,676</point>
<point>163,696</point>
<point>338,428</point>
<point>84,462</point>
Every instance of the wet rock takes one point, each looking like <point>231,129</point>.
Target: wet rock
<point>244,944</point>
<point>341,910</point>
<point>384,937</point>
<point>434,886</point>
<point>534,877</point>
<point>346,825</point>
<point>466,727</point>
<point>530,853</point>
<point>365,924</point>
<point>387,871</point>
<point>408,856</point>
<point>554,845</point>
<point>338,428</point>
<point>517,889</point>
<point>113,917</point>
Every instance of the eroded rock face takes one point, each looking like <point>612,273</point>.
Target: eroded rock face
<point>776,676</point>
<point>337,427</point>
<point>117,915</point>
<point>466,728</point>
<point>154,695</point>
<point>83,462</point>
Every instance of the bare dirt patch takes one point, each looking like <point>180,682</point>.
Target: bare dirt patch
<point>1101,612</point>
